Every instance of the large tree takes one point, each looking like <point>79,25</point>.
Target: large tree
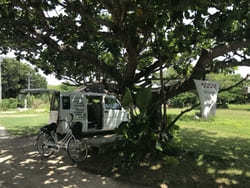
<point>15,76</point>
<point>127,41</point>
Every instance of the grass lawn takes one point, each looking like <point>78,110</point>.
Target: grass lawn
<point>23,123</point>
<point>220,146</point>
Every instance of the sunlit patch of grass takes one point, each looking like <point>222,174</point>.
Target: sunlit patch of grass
<point>211,170</point>
<point>231,172</point>
<point>245,107</point>
<point>21,123</point>
<point>226,123</point>
<point>226,181</point>
<point>248,174</point>
<point>24,111</point>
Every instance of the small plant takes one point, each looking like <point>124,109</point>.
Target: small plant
<point>144,133</point>
<point>10,103</point>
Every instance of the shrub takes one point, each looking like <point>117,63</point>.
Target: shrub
<point>10,103</point>
<point>184,99</point>
<point>144,133</point>
<point>30,100</point>
<point>36,103</point>
<point>41,101</point>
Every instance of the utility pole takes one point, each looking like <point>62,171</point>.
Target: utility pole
<point>25,100</point>
<point>29,76</point>
<point>1,79</point>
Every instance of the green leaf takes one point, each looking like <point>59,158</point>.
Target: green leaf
<point>158,146</point>
<point>143,99</point>
<point>127,100</point>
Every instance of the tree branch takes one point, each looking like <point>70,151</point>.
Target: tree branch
<point>231,63</point>
<point>181,114</point>
<point>238,83</point>
<point>199,72</point>
<point>148,70</point>
<point>224,49</point>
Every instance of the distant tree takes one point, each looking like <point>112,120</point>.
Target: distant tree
<point>15,77</point>
<point>234,95</point>
<point>64,87</point>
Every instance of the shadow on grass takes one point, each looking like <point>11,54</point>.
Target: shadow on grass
<point>206,162</point>
<point>226,161</point>
<point>24,130</point>
<point>192,117</point>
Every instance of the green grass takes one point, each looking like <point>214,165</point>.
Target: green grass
<point>23,123</point>
<point>226,123</point>
<point>221,145</point>
<point>227,134</point>
<point>245,107</point>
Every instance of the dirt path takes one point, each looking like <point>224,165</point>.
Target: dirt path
<point>21,166</point>
<point>3,133</point>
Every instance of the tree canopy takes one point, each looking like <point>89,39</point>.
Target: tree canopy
<point>128,40</point>
<point>15,77</point>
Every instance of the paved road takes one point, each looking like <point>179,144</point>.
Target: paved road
<point>20,166</point>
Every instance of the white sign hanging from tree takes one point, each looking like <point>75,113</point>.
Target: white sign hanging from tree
<point>207,92</point>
